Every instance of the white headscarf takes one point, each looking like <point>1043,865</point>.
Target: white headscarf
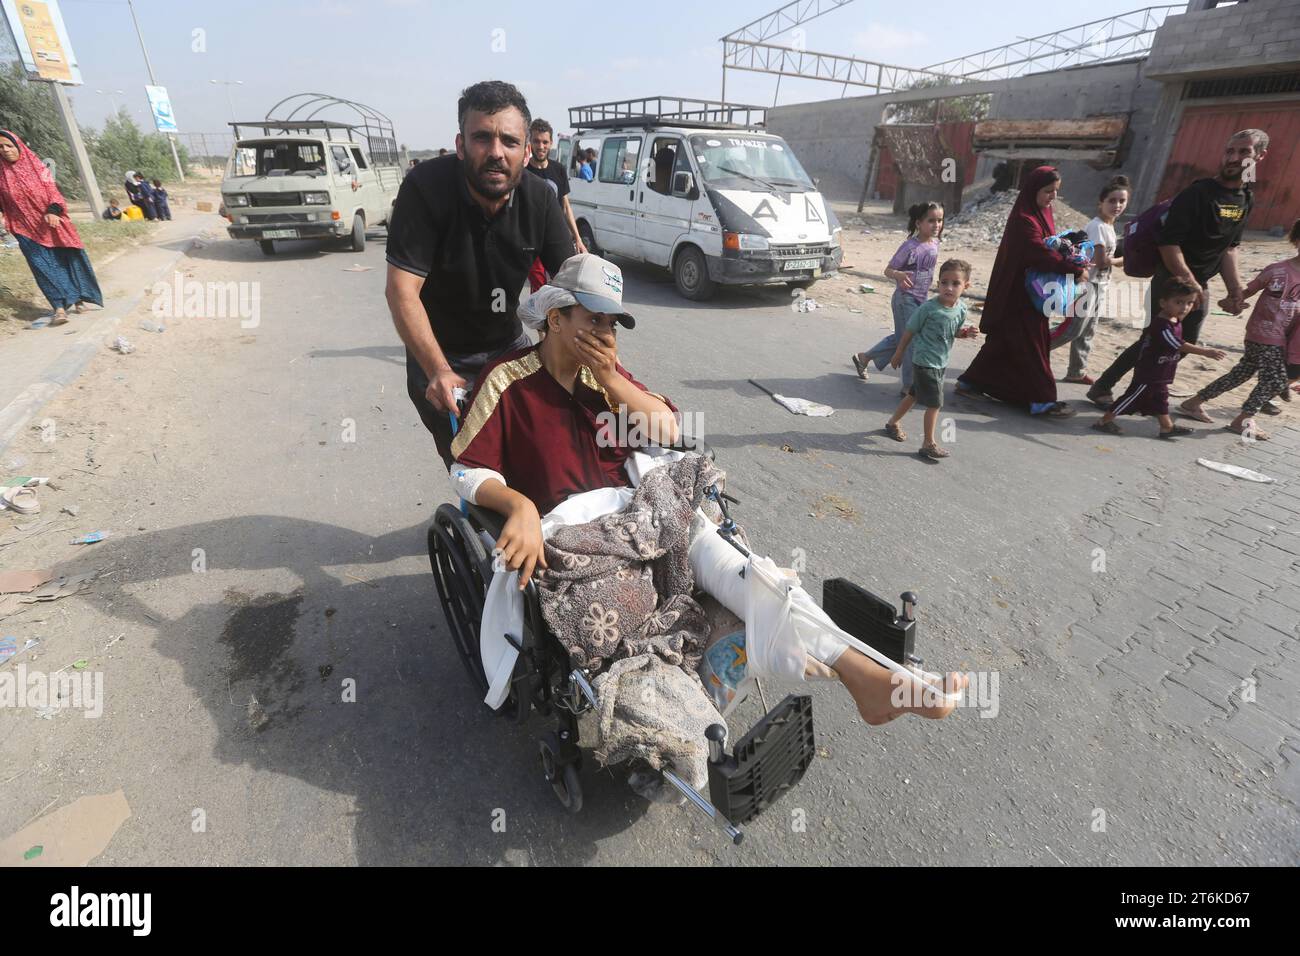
<point>532,311</point>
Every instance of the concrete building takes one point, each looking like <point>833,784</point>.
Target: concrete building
<point>1209,68</point>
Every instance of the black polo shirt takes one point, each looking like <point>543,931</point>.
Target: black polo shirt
<point>553,174</point>
<point>474,267</point>
<point>1205,220</point>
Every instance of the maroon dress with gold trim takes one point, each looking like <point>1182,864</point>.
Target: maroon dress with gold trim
<point>547,443</point>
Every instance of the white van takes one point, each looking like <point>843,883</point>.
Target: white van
<point>712,200</point>
<point>309,179</point>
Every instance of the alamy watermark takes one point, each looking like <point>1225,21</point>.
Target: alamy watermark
<point>42,692</point>
<point>191,299</point>
<point>981,692</point>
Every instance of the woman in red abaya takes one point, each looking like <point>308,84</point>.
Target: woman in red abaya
<point>1013,364</point>
<point>37,214</point>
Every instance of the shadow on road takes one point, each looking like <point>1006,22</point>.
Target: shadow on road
<point>427,764</point>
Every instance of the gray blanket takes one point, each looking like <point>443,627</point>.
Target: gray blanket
<point>620,587</point>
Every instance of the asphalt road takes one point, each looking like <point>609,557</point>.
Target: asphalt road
<point>226,693</point>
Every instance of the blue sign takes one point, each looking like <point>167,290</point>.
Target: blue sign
<point>163,119</point>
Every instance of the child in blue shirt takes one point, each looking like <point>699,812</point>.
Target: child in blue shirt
<point>930,332</point>
<point>160,203</point>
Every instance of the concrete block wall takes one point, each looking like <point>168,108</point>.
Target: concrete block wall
<point>832,137</point>
<point>1112,89</point>
<point>1255,37</point>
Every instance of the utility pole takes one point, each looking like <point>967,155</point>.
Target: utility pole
<point>79,153</point>
<point>171,140</point>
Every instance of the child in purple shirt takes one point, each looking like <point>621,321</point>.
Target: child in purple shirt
<point>1162,347</point>
<point>912,270</point>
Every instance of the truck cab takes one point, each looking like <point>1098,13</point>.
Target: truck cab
<point>304,179</point>
<point>683,185</point>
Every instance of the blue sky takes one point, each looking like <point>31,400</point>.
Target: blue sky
<point>410,58</point>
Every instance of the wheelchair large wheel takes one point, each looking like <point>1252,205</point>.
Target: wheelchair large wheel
<point>461,571</point>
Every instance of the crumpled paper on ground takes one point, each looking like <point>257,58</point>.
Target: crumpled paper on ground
<point>1235,470</point>
<point>802,406</point>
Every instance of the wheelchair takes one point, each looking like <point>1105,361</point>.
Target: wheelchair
<point>766,763</point>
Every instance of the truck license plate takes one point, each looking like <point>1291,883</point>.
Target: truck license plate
<point>796,265</point>
<point>280,234</point>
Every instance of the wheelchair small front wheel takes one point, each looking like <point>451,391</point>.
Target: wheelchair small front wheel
<point>563,778</point>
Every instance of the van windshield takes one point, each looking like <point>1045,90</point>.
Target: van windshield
<point>748,161</point>
<point>277,158</point>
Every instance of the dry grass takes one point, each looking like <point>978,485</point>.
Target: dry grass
<point>21,299</point>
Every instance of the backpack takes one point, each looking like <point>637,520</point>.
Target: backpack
<point>1142,241</point>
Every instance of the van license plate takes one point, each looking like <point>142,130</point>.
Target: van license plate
<point>280,234</point>
<point>795,265</point>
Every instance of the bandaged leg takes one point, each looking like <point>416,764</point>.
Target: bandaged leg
<point>789,637</point>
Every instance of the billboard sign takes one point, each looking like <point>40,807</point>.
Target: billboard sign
<point>42,40</point>
<point>163,118</point>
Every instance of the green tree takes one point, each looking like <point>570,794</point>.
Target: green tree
<point>121,145</point>
<point>29,111</point>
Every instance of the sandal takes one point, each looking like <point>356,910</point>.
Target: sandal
<point>1081,380</point>
<point>1060,410</point>
<point>969,393</point>
<point>1101,399</point>
<point>1255,433</point>
<point>933,452</point>
<point>1199,415</point>
<point>894,432</point>
<point>20,500</point>
<point>1177,431</point>
<point>862,369</point>
<point>1268,408</point>
<point>59,318</point>
<point>1110,428</point>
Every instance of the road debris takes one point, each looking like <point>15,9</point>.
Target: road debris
<point>20,582</point>
<point>799,406</point>
<point>121,345</point>
<point>1235,470</point>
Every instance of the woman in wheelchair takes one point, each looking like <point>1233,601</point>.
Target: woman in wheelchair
<point>539,429</point>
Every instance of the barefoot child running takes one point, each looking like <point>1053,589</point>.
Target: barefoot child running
<point>1272,320</point>
<point>928,337</point>
<point>1162,347</point>
<point>912,270</point>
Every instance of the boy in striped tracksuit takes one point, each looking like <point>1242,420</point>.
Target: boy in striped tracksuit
<point>1162,347</point>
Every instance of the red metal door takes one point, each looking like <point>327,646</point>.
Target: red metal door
<point>1199,144</point>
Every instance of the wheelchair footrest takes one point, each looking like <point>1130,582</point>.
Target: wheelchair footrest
<point>870,618</point>
<point>768,761</point>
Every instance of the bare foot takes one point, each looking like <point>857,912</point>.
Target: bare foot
<point>1192,409</point>
<point>882,695</point>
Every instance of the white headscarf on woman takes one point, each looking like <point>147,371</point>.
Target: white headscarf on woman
<point>532,311</point>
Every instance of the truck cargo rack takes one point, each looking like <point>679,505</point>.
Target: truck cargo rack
<point>368,123</point>
<point>668,111</point>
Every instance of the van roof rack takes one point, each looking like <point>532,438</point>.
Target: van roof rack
<point>668,110</point>
<point>300,115</point>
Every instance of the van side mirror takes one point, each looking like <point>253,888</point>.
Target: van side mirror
<point>683,184</point>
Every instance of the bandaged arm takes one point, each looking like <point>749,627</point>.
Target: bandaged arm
<point>466,481</point>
